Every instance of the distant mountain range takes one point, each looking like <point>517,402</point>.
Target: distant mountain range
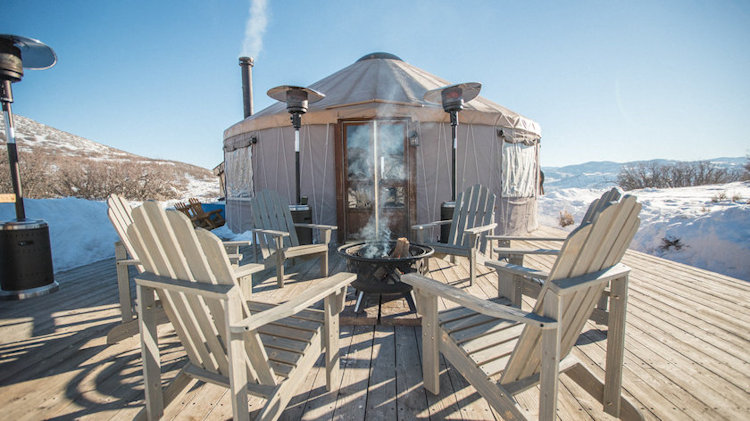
<point>53,144</point>
<point>603,174</point>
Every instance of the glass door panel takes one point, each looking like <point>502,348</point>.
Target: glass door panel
<point>377,176</point>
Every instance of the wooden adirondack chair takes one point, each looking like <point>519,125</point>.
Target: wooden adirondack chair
<point>120,214</point>
<point>208,220</point>
<point>184,208</point>
<point>266,350</point>
<point>277,237</point>
<point>503,351</point>
<point>514,287</point>
<point>473,218</point>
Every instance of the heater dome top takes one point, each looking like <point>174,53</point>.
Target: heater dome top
<point>286,93</point>
<point>463,92</point>
<point>35,54</point>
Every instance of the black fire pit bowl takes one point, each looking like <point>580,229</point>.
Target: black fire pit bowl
<point>382,274</point>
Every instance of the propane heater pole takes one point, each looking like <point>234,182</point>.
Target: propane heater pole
<point>6,96</point>
<point>454,175</point>
<point>296,99</point>
<point>453,98</point>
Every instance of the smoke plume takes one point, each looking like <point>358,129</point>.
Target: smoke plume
<point>255,28</point>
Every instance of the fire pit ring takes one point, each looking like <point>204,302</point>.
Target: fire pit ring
<point>382,275</point>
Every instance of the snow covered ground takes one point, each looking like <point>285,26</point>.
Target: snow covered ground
<point>712,224</point>
<point>708,225</point>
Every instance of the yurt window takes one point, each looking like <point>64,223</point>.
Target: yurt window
<point>519,169</point>
<point>239,172</point>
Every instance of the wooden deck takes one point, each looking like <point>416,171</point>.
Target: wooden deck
<point>687,353</point>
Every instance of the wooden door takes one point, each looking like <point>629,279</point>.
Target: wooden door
<point>377,178</point>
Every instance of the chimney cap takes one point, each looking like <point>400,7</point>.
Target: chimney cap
<point>249,61</point>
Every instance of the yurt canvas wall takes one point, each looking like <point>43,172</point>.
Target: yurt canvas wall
<point>508,167</point>
<point>269,165</point>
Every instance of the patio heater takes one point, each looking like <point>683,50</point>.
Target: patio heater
<point>25,255</point>
<point>297,98</point>
<point>452,98</point>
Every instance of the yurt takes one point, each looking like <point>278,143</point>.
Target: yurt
<point>374,145</point>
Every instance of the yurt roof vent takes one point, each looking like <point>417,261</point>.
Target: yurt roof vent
<point>380,55</point>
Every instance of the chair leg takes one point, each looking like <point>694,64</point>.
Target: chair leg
<point>430,343</point>
<point>548,378</point>
<point>237,367</point>
<point>615,345</point>
<point>472,266</point>
<point>279,270</point>
<point>150,353</point>
<point>332,353</point>
<point>324,264</point>
<point>123,283</point>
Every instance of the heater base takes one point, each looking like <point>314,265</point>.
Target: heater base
<point>29,293</point>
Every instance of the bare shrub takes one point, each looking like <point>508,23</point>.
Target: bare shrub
<point>670,242</point>
<point>98,179</point>
<point>44,175</point>
<point>718,197</point>
<point>680,174</point>
<point>746,174</point>
<point>566,218</point>
<point>34,169</point>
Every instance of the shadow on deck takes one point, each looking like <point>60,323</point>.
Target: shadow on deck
<point>687,353</point>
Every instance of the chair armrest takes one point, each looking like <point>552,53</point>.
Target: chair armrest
<point>516,269</point>
<point>476,231</point>
<point>270,232</point>
<point>236,243</point>
<point>509,251</point>
<point>128,262</point>
<point>317,226</point>
<point>477,304</point>
<point>325,230</point>
<point>518,238</point>
<point>320,290</point>
<point>431,224</point>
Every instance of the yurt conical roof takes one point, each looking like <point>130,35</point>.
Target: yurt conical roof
<point>383,85</point>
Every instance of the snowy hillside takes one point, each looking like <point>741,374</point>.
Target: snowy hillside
<point>39,140</point>
<point>602,175</point>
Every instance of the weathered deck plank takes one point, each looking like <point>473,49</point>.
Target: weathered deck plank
<point>687,353</point>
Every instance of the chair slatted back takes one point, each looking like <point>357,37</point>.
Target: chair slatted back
<point>593,246</point>
<point>269,211</point>
<point>174,249</point>
<point>120,214</point>
<point>475,207</point>
<point>600,203</point>
<point>184,208</point>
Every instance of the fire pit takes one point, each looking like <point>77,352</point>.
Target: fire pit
<point>379,270</point>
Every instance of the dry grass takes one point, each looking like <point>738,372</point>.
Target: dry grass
<point>565,218</point>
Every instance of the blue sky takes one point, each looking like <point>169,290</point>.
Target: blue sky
<point>606,80</point>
